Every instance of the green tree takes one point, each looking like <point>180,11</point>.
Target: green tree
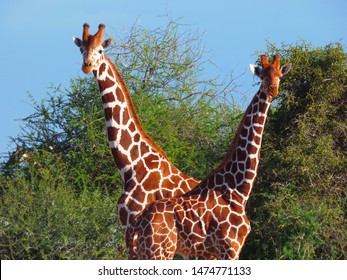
<point>60,202</point>
<point>299,203</point>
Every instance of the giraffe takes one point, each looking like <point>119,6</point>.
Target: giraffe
<point>210,221</point>
<point>145,169</point>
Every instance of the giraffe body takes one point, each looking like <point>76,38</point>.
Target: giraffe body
<point>146,171</point>
<point>210,221</point>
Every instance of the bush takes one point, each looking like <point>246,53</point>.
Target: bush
<point>43,218</point>
<point>299,205</point>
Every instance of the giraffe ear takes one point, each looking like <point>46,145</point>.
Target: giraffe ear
<point>256,70</point>
<point>107,43</point>
<point>78,42</point>
<point>285,68</point>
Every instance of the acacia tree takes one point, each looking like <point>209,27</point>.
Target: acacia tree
<point>185,114</point>
<point>60,202</point>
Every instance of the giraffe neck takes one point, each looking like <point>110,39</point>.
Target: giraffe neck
<point>239,169</point>
<point>126,137</point>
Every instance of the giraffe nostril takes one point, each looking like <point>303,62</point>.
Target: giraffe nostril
<point>87,63</point>
<point>272,86</point>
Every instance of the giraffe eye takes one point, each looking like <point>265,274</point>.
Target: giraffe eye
<point>100,51</point>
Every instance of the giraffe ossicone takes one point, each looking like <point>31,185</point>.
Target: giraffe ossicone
<point>146,171</point>
<point>210,221</point>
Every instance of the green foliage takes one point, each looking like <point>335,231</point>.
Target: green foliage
<point>299,202</point>
<point>186,115</point>
<point>59,193</point>
<point>43,218</point>
<point>59,202</point>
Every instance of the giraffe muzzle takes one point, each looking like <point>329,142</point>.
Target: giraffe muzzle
<point>87,67</point>
<point>271,90</point>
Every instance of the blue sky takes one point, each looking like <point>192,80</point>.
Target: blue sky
<point>36,48</point>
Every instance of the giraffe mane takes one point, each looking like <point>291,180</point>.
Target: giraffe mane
<point>97,38</point>
<point>133,113</point>
<point>234,144</point>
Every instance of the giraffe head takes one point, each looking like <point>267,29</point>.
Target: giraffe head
<point>91,47</point>
<point>270,73</point>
